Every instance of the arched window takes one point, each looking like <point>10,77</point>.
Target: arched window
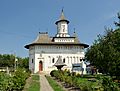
<point>32,60</point>
<point>64,60</point>
<point>68,59</point>
<point>49,59</point>
<point>77,60</point>
<point>53,60</point>
<point>80,59</point>
<point>71,59</point>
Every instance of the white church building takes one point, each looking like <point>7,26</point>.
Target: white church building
<point>45,51</point>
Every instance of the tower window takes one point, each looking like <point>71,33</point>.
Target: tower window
<point>63,26</point>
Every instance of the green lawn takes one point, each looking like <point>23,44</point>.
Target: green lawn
<point>35,84</point>
<point>35,77</point>
<point>54,84</point>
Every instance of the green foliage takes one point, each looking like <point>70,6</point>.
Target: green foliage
<point>14,82</point>
<point>52,73</point>
<point>105,53</point>
<point>19,78</point>
<point>87,82</point>
<point>35,77</point>
<point>53,84</point>
<point>7,60</point>
<point>85,86</point>
<point>5,82</point>
<point>108,84</point>
<point>34,84</point>
<point>23,62</point>
<point>55,74</point>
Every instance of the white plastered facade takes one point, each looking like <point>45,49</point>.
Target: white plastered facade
<point>46,54</point>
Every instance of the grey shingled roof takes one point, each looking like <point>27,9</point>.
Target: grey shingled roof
<point>43,38</point>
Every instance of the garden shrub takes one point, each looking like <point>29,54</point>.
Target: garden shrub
<point>52,73</point>
<point>96,82</point>
<point>108,84</point>
<point>5,82</point>
<point>14,82</point>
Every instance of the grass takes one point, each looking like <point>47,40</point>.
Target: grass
<point>35,77</point>
<point>54,84</point>
<point>35,84</point>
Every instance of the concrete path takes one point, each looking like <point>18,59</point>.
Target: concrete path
<point>44,85</point>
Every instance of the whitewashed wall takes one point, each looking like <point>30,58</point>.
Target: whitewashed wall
<point>46,54</point>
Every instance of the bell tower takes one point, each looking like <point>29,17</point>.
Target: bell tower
<point>62,26</point>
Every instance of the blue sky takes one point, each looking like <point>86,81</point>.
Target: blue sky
<point>21,20</point>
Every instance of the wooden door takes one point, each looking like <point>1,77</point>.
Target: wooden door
<point>40,66</point>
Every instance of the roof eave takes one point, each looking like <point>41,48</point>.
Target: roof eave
<point>61,21</point>
<point>27,46</point>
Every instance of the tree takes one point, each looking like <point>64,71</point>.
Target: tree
<point>105,52</point>
<point>7,60</point>
<point>23,62</point>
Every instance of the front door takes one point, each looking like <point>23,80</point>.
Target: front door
<point>40,66</point>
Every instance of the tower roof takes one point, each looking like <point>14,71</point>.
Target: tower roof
<point>62,18</point>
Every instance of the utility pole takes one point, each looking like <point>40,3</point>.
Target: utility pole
<point>15,62</point>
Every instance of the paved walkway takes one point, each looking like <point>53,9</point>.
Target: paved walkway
<point>44,85</point>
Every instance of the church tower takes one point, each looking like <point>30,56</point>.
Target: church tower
<point>62,26</point>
